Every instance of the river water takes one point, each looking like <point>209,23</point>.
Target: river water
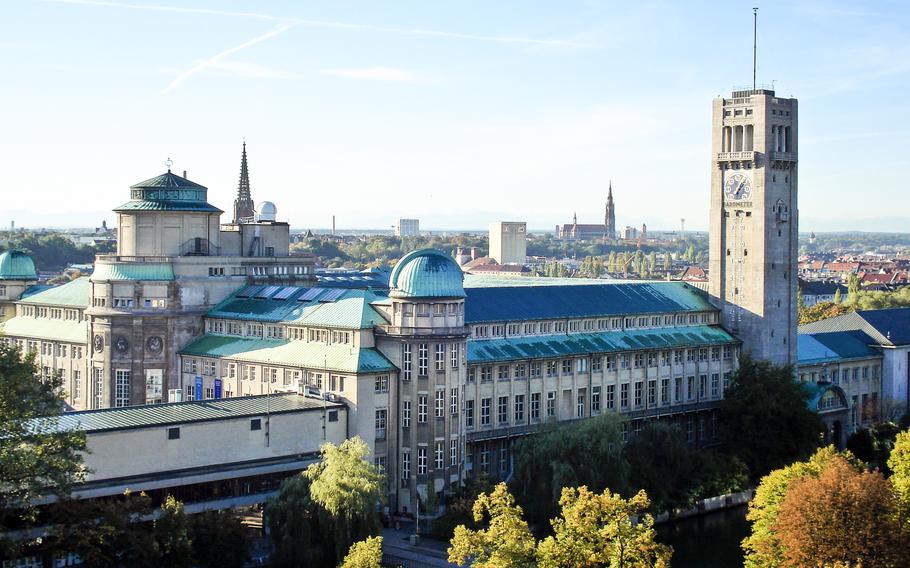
<point>707,541</point>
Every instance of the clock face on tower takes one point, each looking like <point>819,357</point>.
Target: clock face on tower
<point>737,187</point>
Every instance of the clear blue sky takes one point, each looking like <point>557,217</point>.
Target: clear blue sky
<point>457,113</point>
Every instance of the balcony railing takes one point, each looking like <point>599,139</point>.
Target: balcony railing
<point>199,247</point>
<point>736,156</point>
<point>783,156</point>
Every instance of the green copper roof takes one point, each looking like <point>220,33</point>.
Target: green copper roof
<point>74,294</point>
<point>168,180</point>
<point>45,328</point>
<point>342,358</point>
<point>565,345</point>
<point>168,192</point>
<point>426,273</point>
<point>142,205</point>
<point>176,413</point>
<point>349,313</point>
<point>17,265</point>
<point>132,271</point>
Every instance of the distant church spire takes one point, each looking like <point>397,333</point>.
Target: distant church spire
<point>243,205</point>
<point>610,215</point>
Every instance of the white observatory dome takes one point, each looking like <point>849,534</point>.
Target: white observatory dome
<point>267,211</point>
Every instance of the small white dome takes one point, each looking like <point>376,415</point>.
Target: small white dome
<point>267,211</point>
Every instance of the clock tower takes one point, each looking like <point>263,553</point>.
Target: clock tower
<point>753,224</point>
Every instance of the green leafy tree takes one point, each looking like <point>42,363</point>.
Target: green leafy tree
<point>349,488</point>
<point>899,462</point>
<point>106,532</point>
<point>172,532</point>
<point>601,530</point>
<point>800,298</point>
<point>663,464</point>
<point>765,418</point>
<point>299,527</point>
<point>853,287</point>
<point>762,547</point>
<point>219,540</point>
<point>504,542</point>
<point>837,296</point>
<point>36,458</point>
<point>587,452</point>
<point>364,554</point>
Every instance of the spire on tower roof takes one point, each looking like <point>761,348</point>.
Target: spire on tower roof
<point>243,205</point>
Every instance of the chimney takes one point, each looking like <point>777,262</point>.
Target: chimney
<point>333,225</point>
<point>473,253</point>
<point>184,174</point>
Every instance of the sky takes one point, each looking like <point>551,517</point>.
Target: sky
<point>454,112</point>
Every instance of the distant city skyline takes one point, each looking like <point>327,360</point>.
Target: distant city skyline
<point>455,114</point>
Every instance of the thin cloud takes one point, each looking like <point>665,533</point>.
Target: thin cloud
<point>331,24</point>
<point>388,74</point>
<point>215,60</point>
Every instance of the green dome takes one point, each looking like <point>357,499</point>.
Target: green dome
<point>426,273</point>
<point>16,265</point>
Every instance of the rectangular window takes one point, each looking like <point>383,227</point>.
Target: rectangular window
<point>535,406</point>
<point>652,359</point>
<point>665,391</point>
<point>580,404</point>
<point>702,387</point>
<point>715,385</point>
<point>382,383</point>
<point>485,407</point>
<point>597,364</point>
<point>381,415</point>
<point>173,433</point>
<point>502,372</point>
<point>421,460</point>
<point>422,359</point>
<point>472,374</point>
<point>486,374</point>
<point>677,389</point>
<point>519,370</point>
<point>455,351</point>
<point>566,366</point>
<point>453,400</point>
<point>552,368</point>
<point>690,387</point>
<point>639,391</point>
<point>503,409</point>
<point>611,363</point>
<point>440,356</point>
<point>639,360</point>
<point>405,468</point>
<point>405,413</point>
<point>469,414</point>
<point>440,408</point>
<point>581,365</point>
<point>503,460</point>
<point>421,408</point>
<point>623,362</point>
<point>535,370</point>
<point>519,408</point>
<point>77,385</point>
<point>453,452</point>
<point>595,400</point>
<point>551,404</point>
<point>624,396</point>
<point>727,381</point>
<point>122,386</point>
<point>652,394</point>
<point>439,455</point>
<point>715,353</point>
<point>256,424</point>
<point>611,397</point>
<point>406,362</point>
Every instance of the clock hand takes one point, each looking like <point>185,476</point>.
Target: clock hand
<point>739,188</point>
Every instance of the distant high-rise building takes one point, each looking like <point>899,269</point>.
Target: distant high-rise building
<point>610,216</point>
<point>244,209</point>
<point>508,242</point>
<point>753,237</point>
<point>407,228</point>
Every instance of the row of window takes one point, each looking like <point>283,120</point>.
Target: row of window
<point>590,325</point>
<point>52,313</point>
<point>598,364</point>
<point>424,310</point>
<point>443,354</point>
<point>637,395</point>
<point>439,458</point>
<point>129,303</point>
<point>439,406</point>
<point>843,376</point>
<point>311,335</point>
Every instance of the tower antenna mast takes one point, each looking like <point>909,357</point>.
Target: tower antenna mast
<point>754,43</point>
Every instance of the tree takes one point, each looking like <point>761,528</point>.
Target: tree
<point>36,457</point>
<point>843,515</point>
<point>800,298</point>
<point>364,554</point>
<point>587,452</point>
<point>219,540</point>
<point>873,445</point>
<point>762,547</point>
<point>663,464</point>
<point>172,531</point>
<point>599,530</point>
<point>106,532</point>
<point>506,542</point>
<point>837,296</point>
<point>349,488</point>
<point>299,527</point>
<point>899,462</point>
<point>766,421</point>
<point>853,287</point>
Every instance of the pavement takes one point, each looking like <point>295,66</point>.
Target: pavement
<point>428,553</point>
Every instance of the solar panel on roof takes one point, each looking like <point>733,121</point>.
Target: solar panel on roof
<point>246,292</point>
<point>311,294</point>
<point>285,293</point>
<point>267,291</point>
<point>331,295</point>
